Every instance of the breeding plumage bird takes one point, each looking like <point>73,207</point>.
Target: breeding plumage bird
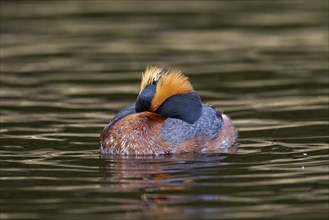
<point>168,117</point>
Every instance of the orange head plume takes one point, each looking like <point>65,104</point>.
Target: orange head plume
<point>151,75</point>
<point>171,82</point>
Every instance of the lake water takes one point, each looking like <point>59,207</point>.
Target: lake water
<point>68,66</point>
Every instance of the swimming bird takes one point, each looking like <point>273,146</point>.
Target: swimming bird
<point>168,117</point>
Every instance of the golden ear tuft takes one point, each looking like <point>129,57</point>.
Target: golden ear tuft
<point>151,74</point>
<point>171,83</point>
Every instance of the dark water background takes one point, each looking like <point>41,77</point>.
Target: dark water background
<point>68,66</point>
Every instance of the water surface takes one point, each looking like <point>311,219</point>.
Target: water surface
<point>68,66</point>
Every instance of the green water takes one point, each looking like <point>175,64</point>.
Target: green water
<point>68,66</point>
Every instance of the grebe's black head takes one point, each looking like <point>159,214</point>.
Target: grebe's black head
<point>169,94</point>
<point>145,97</point>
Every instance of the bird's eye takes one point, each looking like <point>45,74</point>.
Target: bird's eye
<point>156,107</point>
